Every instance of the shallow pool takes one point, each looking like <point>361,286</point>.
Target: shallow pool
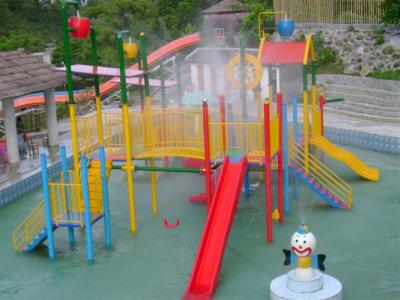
<point>362,245</point>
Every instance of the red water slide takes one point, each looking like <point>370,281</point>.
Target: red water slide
<point>105,88</point>
<point>210,253</point>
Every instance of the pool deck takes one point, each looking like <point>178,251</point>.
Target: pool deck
<point>336,125</point>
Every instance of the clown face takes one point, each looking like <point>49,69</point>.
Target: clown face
<point>303,243</point>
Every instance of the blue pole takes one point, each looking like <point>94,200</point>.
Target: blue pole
<point>231,140</point>
<point>296,138</point>
<point>47,206</point>
<point>88,223</point>
<point>285,157</point>
<point>64,166</point>
<point>247,184</point>
<point>104,190</point>
<point>295,124</point>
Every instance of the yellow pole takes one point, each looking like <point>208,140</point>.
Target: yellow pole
<point>270,98</point>
<point>74,137</point>
<point>306,129</point>
<point>99,121</point>
<point>129,168</point>
<point>314,126</point>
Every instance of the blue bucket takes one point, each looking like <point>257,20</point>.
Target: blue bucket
<point>286,27</point>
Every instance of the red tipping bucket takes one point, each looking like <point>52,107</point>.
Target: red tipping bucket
<point>80,27</point>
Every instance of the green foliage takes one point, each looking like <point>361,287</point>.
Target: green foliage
<point>28,24</point>
<point>326,56</point>
<point>250,22</point>
<point>351,28</point>
<point>378,36</point>
<point>389,75</point>
<point>391,12</point>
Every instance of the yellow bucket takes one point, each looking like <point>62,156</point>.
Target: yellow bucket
<point>130,49</point>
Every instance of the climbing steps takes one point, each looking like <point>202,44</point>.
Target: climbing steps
<point>67,209</point>
<point>319,178</point>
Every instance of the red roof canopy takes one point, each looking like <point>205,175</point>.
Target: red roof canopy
<point>283,53</point>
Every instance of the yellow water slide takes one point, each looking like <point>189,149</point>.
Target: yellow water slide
<point>345,157</point>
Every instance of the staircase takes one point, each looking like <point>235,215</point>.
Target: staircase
<point>319,178</point>
<point>365,98</point>
<point>32,231</point>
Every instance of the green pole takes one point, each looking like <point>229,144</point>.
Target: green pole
<point>178,79</point>
<point>140,65</point>
<point>167,169</point>
<point>94,60</point>
<point>313,73</point>
<point>243,78</point>
<point>67,50</point>
<point>162,79</point>
<point>142,47</point>
<point>121,59</point>
<point>305,83</point>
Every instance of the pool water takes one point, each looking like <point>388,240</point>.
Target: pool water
<point>362,245</point>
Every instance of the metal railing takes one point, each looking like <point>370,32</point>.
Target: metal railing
<point>29,228</point>
<point>324,175</point>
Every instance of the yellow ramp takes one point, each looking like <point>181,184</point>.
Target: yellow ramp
<point>345,157</point>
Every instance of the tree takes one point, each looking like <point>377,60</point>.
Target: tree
<point>391,12</point>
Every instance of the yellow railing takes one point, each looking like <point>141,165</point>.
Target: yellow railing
<point>172,132</point>
<point>87,134</point>
<point>29,228</point>
<point>66,201</point>
<point>334,184</point>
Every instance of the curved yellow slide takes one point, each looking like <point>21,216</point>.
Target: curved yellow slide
<point>346,157</point>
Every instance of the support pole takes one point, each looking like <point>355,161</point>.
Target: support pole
<point>162,79</point>
<point>314,125</point>
<point>243,79</point>
<point>178,79</point>
<point>280,159</point>
<point>305,117</point>
<point>285,157</point>
<point>104,191</point>
<point>207,154</point>
<point>153,180</point>
<point>64,166</point>
<point>88,221</point>
<point>47,206</point>
<point>321,111</point>
<point>67,62</point>
<point>296,139</point>
<point>267,154</point>
<point>223,121</point>
<point>51,117</point>
<point>294,117</point>
<point>127,135</point>
<point>97,88</point>
<point>247,184</point>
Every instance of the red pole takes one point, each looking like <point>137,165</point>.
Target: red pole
<point>207,158</point>
<point>223,127</point>
<point>268,192</point>
<point>321,110</point>
<point>280,159</point>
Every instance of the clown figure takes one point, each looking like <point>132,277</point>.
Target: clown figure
<point>302,247</point>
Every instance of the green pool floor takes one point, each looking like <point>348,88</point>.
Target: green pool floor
<point>362,245</point>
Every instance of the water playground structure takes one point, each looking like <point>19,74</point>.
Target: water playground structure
<point>227,145</point>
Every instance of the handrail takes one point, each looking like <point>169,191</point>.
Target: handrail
<point>322,173</point>
<point>29,228</point>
